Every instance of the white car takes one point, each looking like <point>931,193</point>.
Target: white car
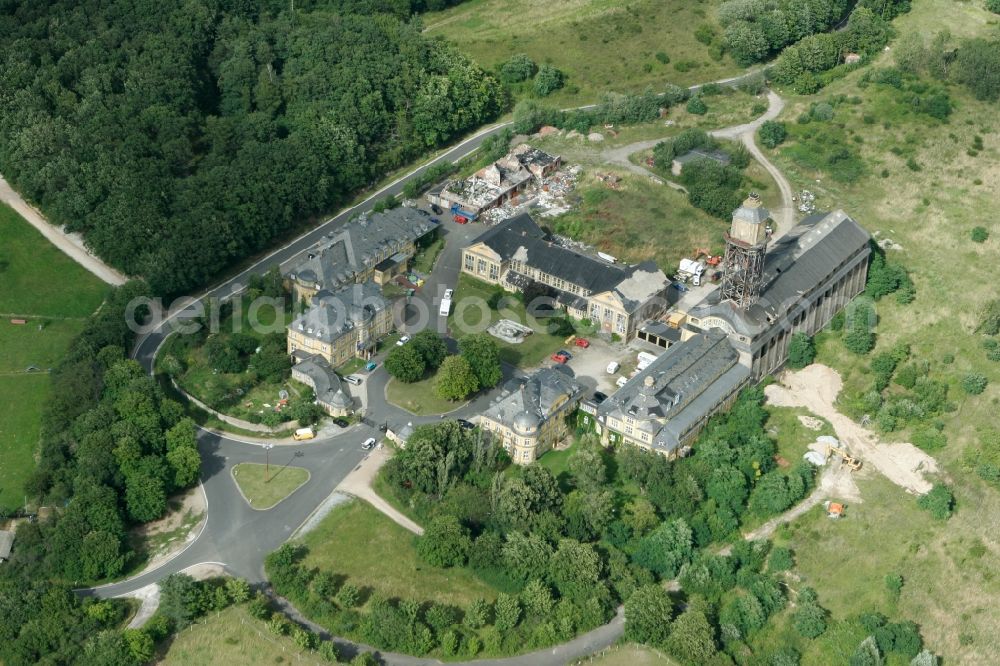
<point>368,444</point>
<point>402,341</point>
<point>613,367</point>
<point>621,381</point>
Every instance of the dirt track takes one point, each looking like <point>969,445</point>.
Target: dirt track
<point>816,388</point>
<point>71,244</point>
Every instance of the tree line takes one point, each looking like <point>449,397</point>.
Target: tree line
<point>179,139</point>
<point>113,448</point>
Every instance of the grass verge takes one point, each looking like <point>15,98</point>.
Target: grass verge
<point>420,398</point>
<point>263,488</point>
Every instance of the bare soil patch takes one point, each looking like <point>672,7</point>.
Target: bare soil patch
<point>816,387</point>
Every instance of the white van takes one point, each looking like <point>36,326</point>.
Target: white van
<point>621,381</point>
<point>352,379</point>
<point>446,303</point>
<point>303,434</point>
<point>613,367</point>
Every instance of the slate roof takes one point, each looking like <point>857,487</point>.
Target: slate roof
<point>324,381</point>
<point>679,389</point>
<point>795,266</point>
<point>334,314</point>
<point>520,238</point>
<point>355,247</point>
<point>531,399</point>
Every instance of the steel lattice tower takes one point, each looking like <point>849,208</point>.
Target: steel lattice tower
<point>746,243</point>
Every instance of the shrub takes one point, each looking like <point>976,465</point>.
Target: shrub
<point>697,106</point>
<point>974,383</point>
<point>548,80</point>
<point>772,133</point>
<point>894,583</point>
<point>662,57</point>
<point>939,501</point>
<point>809,620</point>
<point>781,559</point>
<point>980,234</point>
<point>801,351</point>
<point>518,68</point>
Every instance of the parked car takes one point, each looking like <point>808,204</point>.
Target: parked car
<point>613,367</point>
<point>353,379</point>
<point>435,220</point>
<point>563,352</point>
<point>423,212</point>
<point>402,341</point>
<point>343,423</point>
<point>558,357</point>
<point>621,381</point>
<point>461,219</point>
<point>582,342</point>
<point>679,286</point>
<point>465,425</point>
<point>368,444</point>
<point>600,397</point>
<point>437,209</point>
<point>370,365</point>
<point>303,434</point>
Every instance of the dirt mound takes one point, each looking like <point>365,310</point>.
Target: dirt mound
<point>816,387</point>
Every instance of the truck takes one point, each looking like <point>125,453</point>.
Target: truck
<point>691,269</point>
<point>644,359</point>
<point>446,303</point>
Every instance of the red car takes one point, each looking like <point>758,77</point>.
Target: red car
<point>559,358</point>
<point>461,219</point>
<point>582,342</point>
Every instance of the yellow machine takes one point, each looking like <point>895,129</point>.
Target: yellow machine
<point>845,457</point>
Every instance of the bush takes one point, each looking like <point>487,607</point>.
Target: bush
<point>894,584</point>
<point>939,501</point>
<point>446,542</point>
<point>772,133</point>
<point>662,57</point>
<point>974,383</point>
<point>697,106</point>
<point>548,80</point>
<point>993,6</point>
<point>518,68</point>
<point>781,559</point>
<point>980,234</point>
<point>801,351</point>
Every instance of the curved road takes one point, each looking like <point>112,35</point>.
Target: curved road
<point>240,537</point>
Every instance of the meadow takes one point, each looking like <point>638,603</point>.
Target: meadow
<point>600,45</point>
<point>54,295</point>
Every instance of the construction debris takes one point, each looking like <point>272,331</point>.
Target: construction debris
<point>595,137</point>
<point>545,200</point>
<point>807,201</point>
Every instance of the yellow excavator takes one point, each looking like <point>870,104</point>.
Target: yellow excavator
<point>845,457</point>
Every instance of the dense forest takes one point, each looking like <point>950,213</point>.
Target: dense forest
<point>181,137</point>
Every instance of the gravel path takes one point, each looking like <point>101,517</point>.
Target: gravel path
<point>71,244</point>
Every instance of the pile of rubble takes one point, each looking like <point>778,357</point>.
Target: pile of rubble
<point>548,200</point>
<point>807,201</point>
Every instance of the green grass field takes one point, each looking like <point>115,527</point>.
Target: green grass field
<point>419,397</point>
<point>373,552</point>
<point>264,488</point>
<point>41,284</point>
<point>36,279</point>
<point>469,318</point>
<point>600,44</point>
<point>232,636</point>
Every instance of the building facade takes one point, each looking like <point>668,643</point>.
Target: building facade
<point>315,372</point>
<point>375,247</point>
<point>529,417</point>
<point>809,275</point>
<point>342,325</point>
<point>665,406</point>
<point>615,297</point>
